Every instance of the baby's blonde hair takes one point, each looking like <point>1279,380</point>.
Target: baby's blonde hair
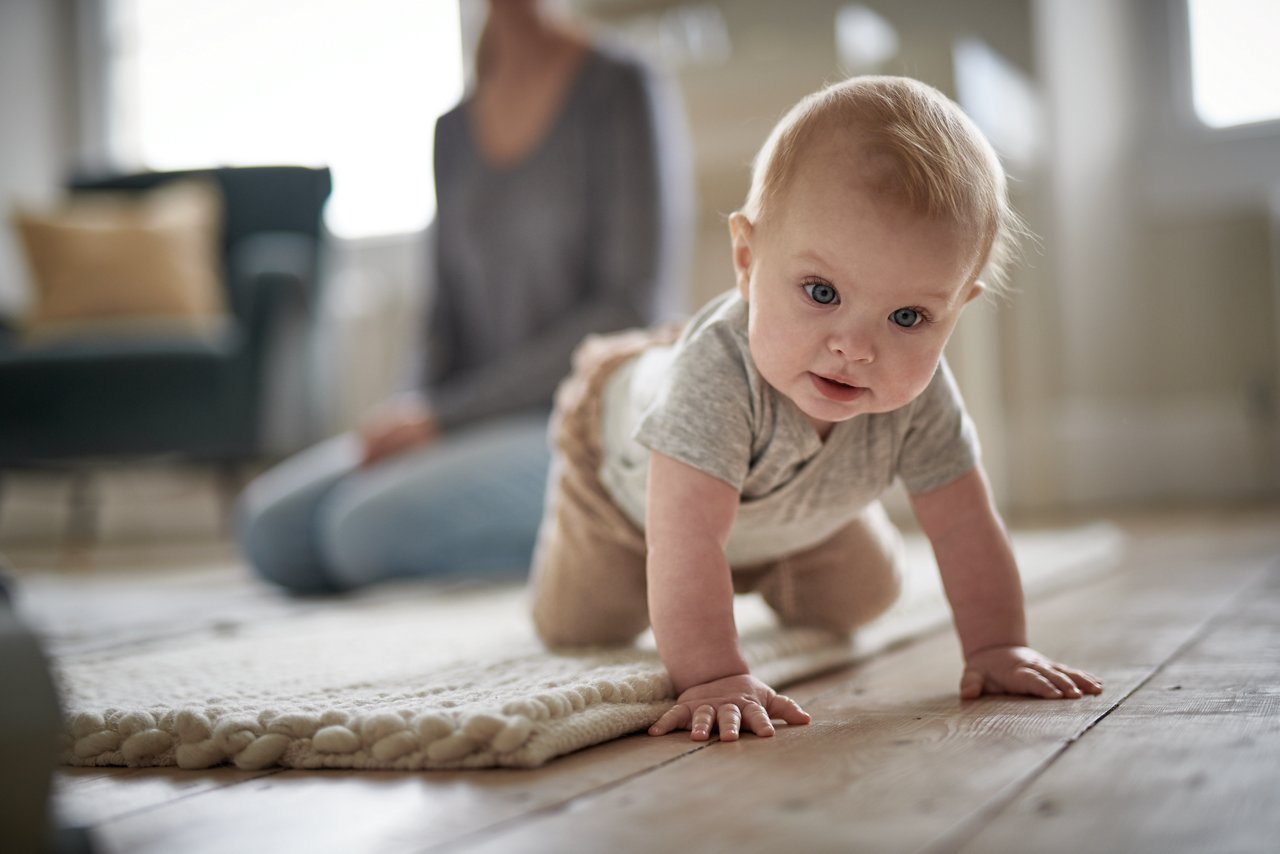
<point>910,144</point>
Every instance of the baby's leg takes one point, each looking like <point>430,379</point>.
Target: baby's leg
<point>588,581</point>
<point>588,584</point>
<point>842,583</point>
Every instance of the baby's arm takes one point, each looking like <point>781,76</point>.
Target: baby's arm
<point>981,581</point>
<point>689,516</point>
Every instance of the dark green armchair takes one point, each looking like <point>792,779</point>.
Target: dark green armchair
<point>200,397</point>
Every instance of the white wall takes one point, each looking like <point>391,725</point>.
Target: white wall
<point>1157,246</point>
<point>780,52</point>
<point>369,324</point>
<point>1139,360</point>
<point>36,122</point>
<point>47,127</point>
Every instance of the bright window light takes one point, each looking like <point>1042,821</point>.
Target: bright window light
<point>354,86</point>
<point>1235,74</point>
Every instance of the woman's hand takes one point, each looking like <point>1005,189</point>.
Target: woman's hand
<point>1022,670</point>
<point>395,428</point>
<point>729,704</point>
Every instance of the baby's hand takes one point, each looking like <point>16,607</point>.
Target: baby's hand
<point>729,703</point>
<point>1022,670</point>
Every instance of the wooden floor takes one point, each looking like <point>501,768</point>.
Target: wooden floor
<point>1181,752</point>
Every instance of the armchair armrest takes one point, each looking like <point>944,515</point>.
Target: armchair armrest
<point>270,274</point>
<point>273,286</point>
<point>273,259</point>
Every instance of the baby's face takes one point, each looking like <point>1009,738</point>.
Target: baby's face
<point>851,302</point>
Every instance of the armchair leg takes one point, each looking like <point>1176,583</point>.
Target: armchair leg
<point>82,506</point>
<point>231,480</point>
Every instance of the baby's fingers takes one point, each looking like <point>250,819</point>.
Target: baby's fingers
<point>729,719</point>
<point>788,710</point>
<point>1071,682</point>
<point>757,720</point>
<point>703,718</point>
<point>676,717</point>
<point>1065,684</point>
<point>1033,682</point>
<point>971,684</point>
<point>1085,681</point>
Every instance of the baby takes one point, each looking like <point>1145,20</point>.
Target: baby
<point>748,454</point>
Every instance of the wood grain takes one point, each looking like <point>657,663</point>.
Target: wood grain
<point>343,811</point>
<point>1176,755</point>
<point>1190,762</point>
<point>895,761</point>
<point>86,797</point>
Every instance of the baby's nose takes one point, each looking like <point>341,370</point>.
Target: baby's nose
<point>852,346</point>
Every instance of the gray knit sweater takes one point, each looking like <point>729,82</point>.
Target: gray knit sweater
<point>585,234</point>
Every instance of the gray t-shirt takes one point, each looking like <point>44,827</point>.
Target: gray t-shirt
<point>584,234</point>
<point>702,401</point>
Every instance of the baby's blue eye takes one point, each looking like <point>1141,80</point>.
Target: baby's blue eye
<point>907,317</point>
<point>821,293</point>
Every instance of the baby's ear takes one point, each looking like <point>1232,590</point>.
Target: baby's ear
<point>975,290</point>
<point>740,234</point>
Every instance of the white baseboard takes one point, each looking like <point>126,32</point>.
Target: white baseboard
<point>1204,448</point>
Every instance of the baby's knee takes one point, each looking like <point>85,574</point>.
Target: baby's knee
<point>838,598</point>
<point>584,593</point>
<point>880,582</point>
<point>560,637</point>
<point>879,585</point>
<point>556,633</point>
<point>561,628</point>
<point>853,613</point>
<point>878,593</point>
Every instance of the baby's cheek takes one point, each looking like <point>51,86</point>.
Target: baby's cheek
<point>910,383</point>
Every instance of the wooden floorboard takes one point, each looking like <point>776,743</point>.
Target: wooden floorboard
<point>89,797</point>
<point>345,811</point>
<point>1184,634</point>
<point>1189,762</point>
<point>894,761</point>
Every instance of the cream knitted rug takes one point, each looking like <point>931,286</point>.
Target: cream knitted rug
<point>416,678</point>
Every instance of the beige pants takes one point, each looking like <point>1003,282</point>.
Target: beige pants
<point>588,580</point>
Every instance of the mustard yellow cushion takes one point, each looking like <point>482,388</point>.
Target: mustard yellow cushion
<point>108,256</point>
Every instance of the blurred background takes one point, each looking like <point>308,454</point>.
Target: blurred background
<point>1135,365</point>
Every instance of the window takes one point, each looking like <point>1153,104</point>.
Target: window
<point>355,86</point>
<point>1235,76</point>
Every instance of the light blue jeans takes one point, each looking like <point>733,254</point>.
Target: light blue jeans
<point>467,505</point>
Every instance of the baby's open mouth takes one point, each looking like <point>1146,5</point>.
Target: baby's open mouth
<point>837,390</point>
